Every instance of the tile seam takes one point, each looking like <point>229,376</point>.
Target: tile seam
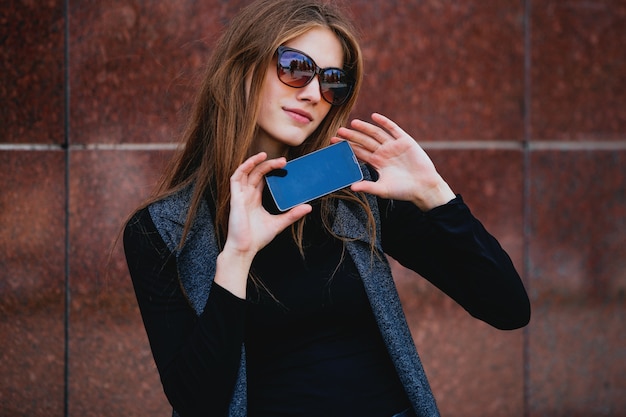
<point>66,149</point>
<point>526,207</point>
<point>532,146</point>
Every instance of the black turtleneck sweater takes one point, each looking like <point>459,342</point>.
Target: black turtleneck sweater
<point>312,344</point>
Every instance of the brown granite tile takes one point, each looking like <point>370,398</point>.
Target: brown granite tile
<point>457,76</point>
<point>110,355</point>
<point>578,225</point>
<point>445,70</point>
<point>113,373</point>
<point>106,185</point>
<point>32,277</point>
<point>474,369</point>
<point>31,72</point>
<point>134,66</point>
<point>491,183</point>
<point>578,283</point>
<point>578,67</point>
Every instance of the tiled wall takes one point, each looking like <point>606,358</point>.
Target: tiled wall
<point>522,106</point>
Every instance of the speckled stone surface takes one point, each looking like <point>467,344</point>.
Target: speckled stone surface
<point>578,67</point>
<point>135,66</point>
<point>32,277</point>
<point>32,71</point>
<point>578,283</point>
<point>111,364</point>
<point>467,361</point>
<point>445,70</point>
<point>105,187</point>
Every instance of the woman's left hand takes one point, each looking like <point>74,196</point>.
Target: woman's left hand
<point>405,170</point>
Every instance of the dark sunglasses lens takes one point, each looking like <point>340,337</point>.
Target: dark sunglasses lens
<point>295,69</point>
<point>335,85</point>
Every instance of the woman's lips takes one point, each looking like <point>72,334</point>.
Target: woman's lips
<point>299,115</point>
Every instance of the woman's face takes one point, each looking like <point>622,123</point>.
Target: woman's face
<point>289,115</point>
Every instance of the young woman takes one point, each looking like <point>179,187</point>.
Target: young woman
<point>251,313</point>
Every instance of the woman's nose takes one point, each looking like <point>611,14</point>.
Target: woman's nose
<point>312,91</point>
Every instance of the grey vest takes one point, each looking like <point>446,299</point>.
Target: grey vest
<point>196,269</point>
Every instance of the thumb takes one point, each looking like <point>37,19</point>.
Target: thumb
<point>370,187</point>
<point>293,215</point>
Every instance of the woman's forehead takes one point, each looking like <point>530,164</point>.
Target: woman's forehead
<point>321,44</point>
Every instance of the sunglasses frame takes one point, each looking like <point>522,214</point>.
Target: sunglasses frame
<point>317,70</point>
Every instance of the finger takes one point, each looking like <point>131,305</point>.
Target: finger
<point>372,130</point>
<point>357,137</point>
<point>258,173</point>
<point>293,215</point>
<point>252,170</point>
<point>369,187</point>
<point>389,125</point>
<point>363,154</point>
<point>247,166</point>
<point>298,212</point>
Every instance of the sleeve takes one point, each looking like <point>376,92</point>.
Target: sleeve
<point>198,357</point>
<point>450,248</point>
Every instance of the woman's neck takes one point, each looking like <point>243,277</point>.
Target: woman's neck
<point>272,148</point>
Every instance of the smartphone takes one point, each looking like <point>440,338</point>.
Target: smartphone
<point>314,175</point>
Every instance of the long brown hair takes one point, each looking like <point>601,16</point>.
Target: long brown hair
<point>223,124</point>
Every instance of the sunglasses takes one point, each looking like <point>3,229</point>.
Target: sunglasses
<point>297,69</point>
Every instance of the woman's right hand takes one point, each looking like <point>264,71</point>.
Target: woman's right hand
<point>250,226</point>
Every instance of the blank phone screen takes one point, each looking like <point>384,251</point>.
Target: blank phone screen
<point>314,175</point>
